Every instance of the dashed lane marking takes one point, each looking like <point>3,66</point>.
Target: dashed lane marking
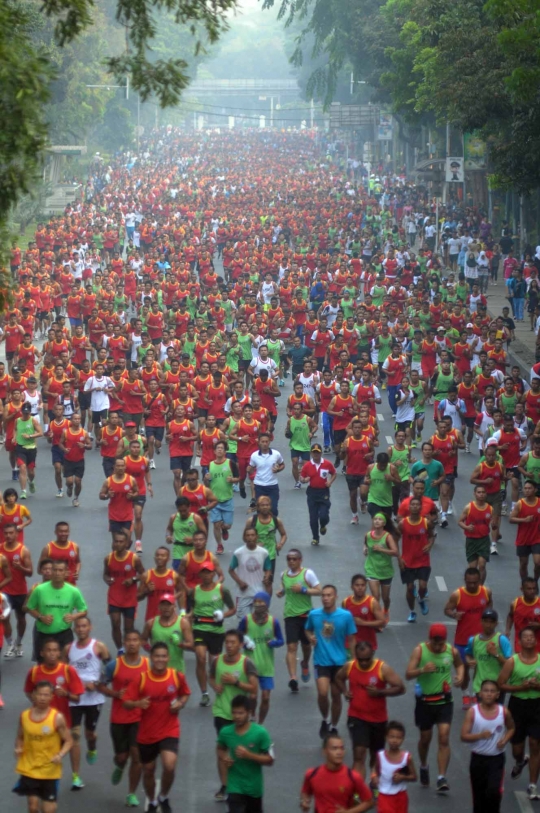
<point>524,804</point>
<point>441,584</point>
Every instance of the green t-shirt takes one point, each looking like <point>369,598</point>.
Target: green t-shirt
<point>245,776</point>
<point>204,604</point>
<point>241,669</point>
<point>25,427</point>
<point>58,602</point>
<point>428,473</point>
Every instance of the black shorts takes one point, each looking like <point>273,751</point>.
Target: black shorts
<point>221,722</point>
<point>57,455</point>
<point>413,574</point>
<point>339,436</point>
<point>108,465</point>
<point>84,400</point>
<point>354,481</point>
<point>366,735</point>
<point>329,672</point>
<point>295,629</point>
<point>526,550</point>
<point>181,463</point>
<point>17,601</point>
<point>469,422</point>
<point>90,714</point>
<point>149,751</point>
<point>243,364</point>
<point>123,736</point>
<point>240,803</point>
<point>213,641</point>
<point>526,714</point>
<point>202,413</point>
<point>449,479</point>
<point>427,715</point>
<point>10,355</point>
<point>140,500</point>
<point>116,525</point>
<point>402,426</point>
<point>74,468</point>
<point>516,474</point>
<point>64,637</point>
<point>98,417</point>
<point>127,612</point>
<point>157,432</point>
<point>27,456</point>
<point>136,417</point>
<point>44,789</point>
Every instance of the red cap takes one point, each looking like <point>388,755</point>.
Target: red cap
<point>438,631</point>
<point>130,423</point>
<point>208,566</point>
<point>168,597</point>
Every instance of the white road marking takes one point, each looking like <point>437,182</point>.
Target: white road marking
<point>406,623</point>
<point>389,440</point>
<point>441,584</point>
<point>524,803</point>
<point>380,416</point>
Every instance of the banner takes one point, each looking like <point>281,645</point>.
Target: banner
<point>455,172</point>
<point>384,130</point>
<point>475,151</point>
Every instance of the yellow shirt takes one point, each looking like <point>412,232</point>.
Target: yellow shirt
<point>41,743</point>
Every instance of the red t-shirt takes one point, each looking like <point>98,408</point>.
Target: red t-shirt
<point>157,722</point>
<point>318,475</point>
<point>334,790</point>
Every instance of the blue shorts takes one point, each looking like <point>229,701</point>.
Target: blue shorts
<point>461,649</point>
<point>266,683</point>
<point>74,321</point>
<point>157,432</point>
<point>181,463</point>
<point>300,455</point>
<point>57,455</point>
<point>223,512</point>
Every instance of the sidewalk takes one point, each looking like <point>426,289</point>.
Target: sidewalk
<point>522,350</point>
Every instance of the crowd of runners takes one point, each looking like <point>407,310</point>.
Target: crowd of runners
<point>166,321</point>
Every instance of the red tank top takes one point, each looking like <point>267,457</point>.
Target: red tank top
<point>197,499</point>
<point>495,472</point>
<point>177,447</point>
<point>193,568</point>
<point>525,614</point>
<point>124,675</point>
<point>137,469</point>
<point>17,586</point>
<point>252,431</point>
<point>444,452</point>
<point>362,395</point>
<point>414,537</point>
<point>69,555</point>
<point>164,583</point>
<point>347,405</point>
<point>362,609</point>
<point>120,595</point>
<point>74,452</point>
<point>120,508</point>
<point>208,446</point>
<point>358,455</point>
<point>473,605</point>
<point>362,706</point>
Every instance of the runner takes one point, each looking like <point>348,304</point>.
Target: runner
<point>181,528</point>
<point>417,540</point>
<point>20,566</point>
<point>394,768</point>
<point>122,569</point>
<point>66,683</point>
<point>221,476</point>
<point>27,430</point>
<point>333,786</point>
<point>74,442</point>
<point>319,474</point>
<point>172,629</point>
<point>57,426</point>
<point>379,548</point>
<point>251,569</point>
<point>266,463</point>
<point>526,515</point>
<point>524,612</point>
<point>138,467</point>
<point>55,605</point>
<point>487,652</point>
<point>120,489</point>
<point>476,522</point>
<point>157,582</point>
<point>262,635</point>
<point>181,436</point>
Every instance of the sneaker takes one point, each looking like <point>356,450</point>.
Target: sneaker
<point>363,507</point>
<point>138,546</point>
<point>323,529</point>
<point>16,474</point>
<point>242,491</point>
<point>165,806</point>
<point>314,542</point>
<point>354,520</point>
<point>1,702</point>
<point>152,807</point>
<point>306,674</point>
<point>131,800</point>
<point>424,777</point>
<point>19,652</point>
<point>450,509</point>
<point>220,550</point>
<point>518,767</point>
<point>383,385</point>
<point>225,533</point>
<point>151,465</point>
<point>236,488</point>
<point>333,730</point>
<point>281,382</point>
<point>91,757</point>
<point>22,495</point>
<point>293,685</point>
<point>466,703</point>
<point>467,448</point>
<point>10,651</point>
<point>60,493</point>
<point>76,782</point>
<point>221,795</point>
<point>116,776</point>
<point>327,449</point>
<point>422,603</point>
<point>444,521</point>
<point>412,617</point>
<point>75,502</point>
<point>493,549</point>
<point>504,509</point>
<point>344,470</point>
<point>532,792</point>
<point>205,699</point>
<point>298,485</point>
<point>31,487</point>
<point>324,729</point>
<point>252,504</point>
<point>442,785</point>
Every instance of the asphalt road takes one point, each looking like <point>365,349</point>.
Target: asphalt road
<point>293,720</point>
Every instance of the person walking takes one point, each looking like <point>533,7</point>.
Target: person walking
<point>319,474</point>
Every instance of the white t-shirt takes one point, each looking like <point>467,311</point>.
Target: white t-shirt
<point>99,400</point>
<point>249,566</point>
<point>263,464</point>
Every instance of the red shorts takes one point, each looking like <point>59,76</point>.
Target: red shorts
<point>243,463</point>
<point>10,445</point>
<point>393,803</point>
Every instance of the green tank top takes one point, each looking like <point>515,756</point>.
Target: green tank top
<point>218,480</point>
<point>399,460</point>
<point>232,444</point>
<point>437,683</point>
<point>487,667</point>
<point>181,529</point>
<point>295,603</point>
<point>385,347</point>
<point>378,565</point>
<point>172,636</point>
<point>126,441</point>
<point>245,344</point>
<point>419,392</point>
<point>380,489</point>
<point>25,428</point>
<point>227,307</point>
<point>525,671</point>
<point>378,292</point>
<point>416,352</point>
<point>223,701</point>
<point>189,347</point>
<point>204,604</point>
<point>532,466</point>
<point>300,441</point>
<point>263,655</point>
<point>274,350</point>
<point>508,403</point>
<point>442,387</point>
<point>267,535</point>
<point>233,356</point>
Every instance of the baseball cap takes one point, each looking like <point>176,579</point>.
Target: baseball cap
<point>208,566</point>
<point>440,328</point>
<point>130,423</point>
<point>167,597</point>
<point>469,324</point>
<point>493,614</point>
<point>438,631</point>
<point>316,447</point>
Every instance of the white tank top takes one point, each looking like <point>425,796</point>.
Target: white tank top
<point>388,769</point>
<point>496,726</point>
<point>268,291</point>
<point>33,400</point>
<point>309,383</point>
<point>88,666</point>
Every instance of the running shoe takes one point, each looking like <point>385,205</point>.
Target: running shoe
<point>151,465</point>
<point>19,652</point>
<point>220,550</point>
<point>76,782</point>
<point>424,777</point>
<point>298,485</point>
<point>532,792</point>
<point>252,504</point>
<point>221,795</point>
<point>281,382</point>
<point>1,702</point>
<point>205,699</point>
<point>32,487</point>
<point>242,491</point>
<point>10,651</point>
<point>363,507</point>
<point>225,533</point>
<point>314,542</point>
<point>442,785</point>
<point>504,509</point>
<point>293,685</point>
<point>412,617</point>
<point>165,806</point>
<point>324,729</point>
<point>466,703</point>
<point>91,757</point>
<point>116,776</point>
<point>16,474</point>
<point>153,807</point>
<point>138,546</point>
<point>444,521</point>
<point>22,495</point>
<point>323,530</point>
<point>306,674</point>
<point>327,449</point>
<point>518,767</point>
<point>75,502</point>
<point>131,800</point>
<point>493,549</point>
<point>450,509</point>
<point>422,603</point>
<point>60,493</point>
<point>354,520</point>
